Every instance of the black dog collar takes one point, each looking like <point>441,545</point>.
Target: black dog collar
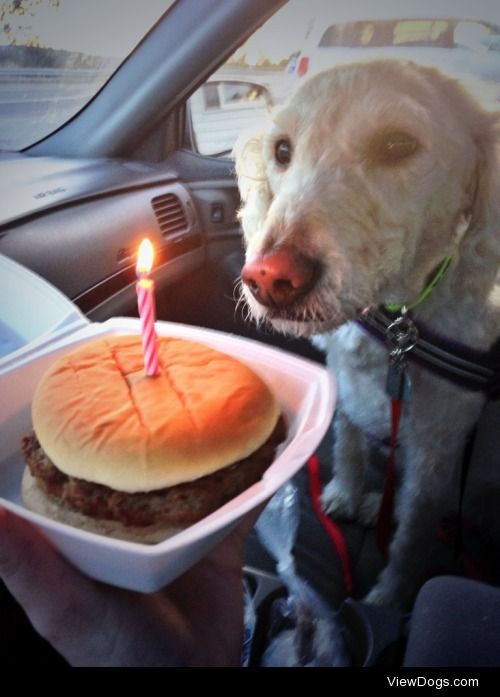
<point>451,360</point>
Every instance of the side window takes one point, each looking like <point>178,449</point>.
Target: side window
<point>222,108</point>
<point>255,79</point>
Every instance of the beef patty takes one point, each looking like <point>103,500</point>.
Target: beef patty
<point>180,505</point>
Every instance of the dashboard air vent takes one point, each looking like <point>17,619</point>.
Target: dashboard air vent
<point>169,214</point>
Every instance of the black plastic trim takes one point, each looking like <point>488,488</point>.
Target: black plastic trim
<point>103,290</point>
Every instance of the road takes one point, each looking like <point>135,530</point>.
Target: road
<point>34,102</point>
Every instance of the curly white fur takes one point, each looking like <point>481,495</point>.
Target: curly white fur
<point>379,227</point>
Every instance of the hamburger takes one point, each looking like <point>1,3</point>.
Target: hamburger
<point>135,457</point>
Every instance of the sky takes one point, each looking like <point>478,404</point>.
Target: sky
<point>97,27</point>
<point>113,27</point>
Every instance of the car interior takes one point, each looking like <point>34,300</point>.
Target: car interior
<point>78,203</point>
<point>75,205</point>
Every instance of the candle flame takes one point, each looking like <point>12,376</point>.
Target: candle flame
<point>145,257</point>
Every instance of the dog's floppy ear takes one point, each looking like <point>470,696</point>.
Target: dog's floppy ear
<point>486,196</point>
<point>484,227</point>
<point>253,184</point>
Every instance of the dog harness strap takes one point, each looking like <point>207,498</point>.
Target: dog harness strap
<point>466,367</point>
<point>331,529</point>
<point>385,517</point>
<point>401,337</point>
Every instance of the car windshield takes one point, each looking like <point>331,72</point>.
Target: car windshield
<point>55,55</point>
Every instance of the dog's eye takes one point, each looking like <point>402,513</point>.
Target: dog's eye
<point>283,151</point>
<point>391,147</point>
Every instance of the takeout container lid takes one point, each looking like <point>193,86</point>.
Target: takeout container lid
<point>305,390</point>
<point>33,314</point>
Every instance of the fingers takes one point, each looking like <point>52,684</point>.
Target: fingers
<point>248,521</point>
<point>231,550</point>
<point>211,593</point>
<point>89,623</point>
<point>92,624</point>
<point>61,604</point>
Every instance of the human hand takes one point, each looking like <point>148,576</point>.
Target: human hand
<point>196,621</point>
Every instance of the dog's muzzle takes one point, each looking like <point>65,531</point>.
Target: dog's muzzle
<point>280,278</point>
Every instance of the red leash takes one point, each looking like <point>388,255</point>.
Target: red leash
<point>385,519</point>
<point>386,515</point>
<point>331,529</point>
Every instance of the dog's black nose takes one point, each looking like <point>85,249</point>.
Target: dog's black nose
<point>280,278</point>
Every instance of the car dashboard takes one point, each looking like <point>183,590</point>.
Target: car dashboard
<point>85,219</point>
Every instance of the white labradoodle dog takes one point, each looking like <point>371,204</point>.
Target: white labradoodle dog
<point>370,176</point>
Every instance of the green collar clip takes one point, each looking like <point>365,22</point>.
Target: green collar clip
<point>440,273</point>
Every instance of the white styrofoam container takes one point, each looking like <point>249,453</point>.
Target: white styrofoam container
<point>32,314</point>
<point>305,390</point>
